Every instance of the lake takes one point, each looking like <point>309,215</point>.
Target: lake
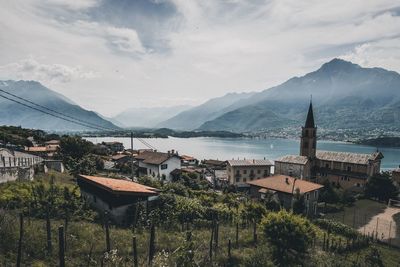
<point>229,148</point>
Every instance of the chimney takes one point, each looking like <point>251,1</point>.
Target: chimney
<point>169,152</point>
<point>176,152</point>
<point>172,151</point>
<point>254,161</point>
<point>287,180</point>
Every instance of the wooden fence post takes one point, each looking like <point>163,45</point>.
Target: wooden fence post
<point>255,233</point>
<point>211,242</point>
<point>151,245</point>
<point>21,235</point>
<point>108,245</point>
<point>61,254</point>
<point>135,256</point>
<point>48,232</point>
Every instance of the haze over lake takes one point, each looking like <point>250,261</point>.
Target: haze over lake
<point>229,148</point>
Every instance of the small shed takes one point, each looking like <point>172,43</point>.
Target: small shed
<point>112,195</point>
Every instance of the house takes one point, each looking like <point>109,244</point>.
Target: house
<point>121,158</point>
<point>241,171</point>
<point>114,146</point>
<point>189,160</point>
<point>158,164</point>
<point>396,176</point>
<point>343,169</point>
<point>47,151</point>
<point>52,143</point>
<point>283,188</point>
<point>113,196</point>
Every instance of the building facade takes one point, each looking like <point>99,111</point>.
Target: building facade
<point>241,171</point>
<point>158,164</point>
<point>343,169</point>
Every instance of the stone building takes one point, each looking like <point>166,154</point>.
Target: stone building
<point>344,169</point>
<point>284,188</point>
<point>241,171</point>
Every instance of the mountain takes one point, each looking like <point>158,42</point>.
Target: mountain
<point>345,96</point>
<point>147,117</point>
<point>193,118</point>
<point>12,113</point>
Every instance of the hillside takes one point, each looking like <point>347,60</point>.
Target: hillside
<point>147,117</point>
<point>12,113</point>
<point>195,117</point>
<point>345,96</point>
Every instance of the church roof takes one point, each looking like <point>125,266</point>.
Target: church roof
<point>348,157</point>
<point>310,118</point>
<point>293,159</point>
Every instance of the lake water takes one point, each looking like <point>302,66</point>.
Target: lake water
<point>229,148</point>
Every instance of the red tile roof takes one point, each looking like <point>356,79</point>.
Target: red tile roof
<point>283,183</point>
<point>119,185</point>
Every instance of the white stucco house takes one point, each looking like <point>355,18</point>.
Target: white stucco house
<point>158,164</point>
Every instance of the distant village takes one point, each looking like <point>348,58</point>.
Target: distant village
<point>282,178</point>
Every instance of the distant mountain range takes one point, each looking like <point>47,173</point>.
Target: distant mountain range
<point>193,118</point>
<point>12,113</point>
<point>147,117</point>
<point>345,96</point>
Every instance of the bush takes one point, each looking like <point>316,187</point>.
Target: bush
<point>290,236</point>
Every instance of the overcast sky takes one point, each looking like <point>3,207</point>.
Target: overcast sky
<point>109,55</point>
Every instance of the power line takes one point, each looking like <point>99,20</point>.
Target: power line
<point>65,117</point>
<point>52,110</point>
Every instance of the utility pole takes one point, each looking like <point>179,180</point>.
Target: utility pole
<point>132,170</point>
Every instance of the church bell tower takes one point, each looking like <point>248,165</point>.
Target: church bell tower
<point>308,144</point>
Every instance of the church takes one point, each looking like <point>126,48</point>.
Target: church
<point>347,170</point>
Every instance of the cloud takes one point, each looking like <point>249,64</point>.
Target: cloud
<point>30,69</point>
<point>383,53</point>
<point>159,50</point>
<point>73,5</point>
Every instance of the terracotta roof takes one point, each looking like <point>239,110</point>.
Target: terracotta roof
<point>293,159</point>
<point>37,149</point>
<point>119,185</point>
<point>348,157</point>
<point>156,158</point>
<point>283,183</point>
<point>186,157</point>
<point>250,162</point>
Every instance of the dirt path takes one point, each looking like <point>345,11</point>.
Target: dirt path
<point>382,223</point>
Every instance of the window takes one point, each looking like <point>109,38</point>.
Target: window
<point>237,172</point>
<point>314,145</point>
<point>349,168</point>
<point>237,179</point>
<point>258,171</point>
<point>306,133</point>
<point>164,166</point>
<point>358,185</point>
<point>244,171</point>
<point>307,196</point>
<point>244,179</point>
<point>327,165</point>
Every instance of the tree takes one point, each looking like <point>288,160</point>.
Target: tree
<point>86,165</point>
<point>381,187</point>
<point>290,236</point>
<point>328,193</point>
<point>74,147</point>
<point>298,204</point>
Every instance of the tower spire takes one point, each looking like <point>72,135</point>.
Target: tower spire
<point>310,116</point>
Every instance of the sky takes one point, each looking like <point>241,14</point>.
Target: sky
<point>111,55</point>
